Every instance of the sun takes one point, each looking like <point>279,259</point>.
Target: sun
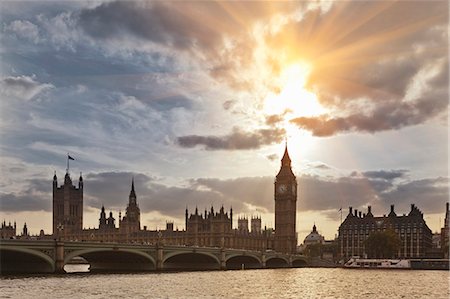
<point>293,97</point>
<point>294,100</point>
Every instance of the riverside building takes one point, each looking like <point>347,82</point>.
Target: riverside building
<point>211,228</point>
<point>414,234</point>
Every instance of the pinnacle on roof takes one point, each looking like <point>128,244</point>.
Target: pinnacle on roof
<point>286,157</point>
<point>132,192</point>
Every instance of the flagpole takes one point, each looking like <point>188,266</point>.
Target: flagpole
<point>67,170</point>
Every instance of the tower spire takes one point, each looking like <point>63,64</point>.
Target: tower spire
<point>132,192</point>
<point>286,160</point>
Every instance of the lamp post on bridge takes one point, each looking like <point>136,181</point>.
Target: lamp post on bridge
<point>60,228</point>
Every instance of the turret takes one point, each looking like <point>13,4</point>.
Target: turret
<point>392,213</point>
<point>80,182</point>
<point>25,230</point>
<point>231,217</point>
<point>132,197</point>
<point>102,220</point>
<point>55,181</point>
<point>369,211</point>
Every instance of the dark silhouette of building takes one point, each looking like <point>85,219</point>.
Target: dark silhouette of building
<point>106,223</point>
<point>414,234</point>
<point>8,231</point>
<point>256,224</point>
<point>67,206</point>
<point>131,222</point>
<point>445,232</point>
<point>285,207</point>
<point>25,230</point>
<point>201,229</point>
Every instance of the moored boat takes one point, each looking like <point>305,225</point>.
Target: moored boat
<point>360,263</point>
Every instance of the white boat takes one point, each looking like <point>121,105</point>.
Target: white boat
<point>361,263</point>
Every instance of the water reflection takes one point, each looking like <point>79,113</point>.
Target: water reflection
<point>265,283</point>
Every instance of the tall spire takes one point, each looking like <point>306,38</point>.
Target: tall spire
<point>132,192</point>
<point>286,160</point>
<point>285,170</point>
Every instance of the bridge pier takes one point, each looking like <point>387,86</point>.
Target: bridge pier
<point>159,258</point>
<point>59,257</point>
<point>223,261</point>
<point>263,260</point>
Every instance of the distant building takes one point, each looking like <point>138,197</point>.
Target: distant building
<point>67,206</point>
<point>256,225</point>
<point>8,231</point>
<point>243,225</point>
<point>445,232</point>
<point>412,230</point>
<point>313,237</point>
<point>213,229</point>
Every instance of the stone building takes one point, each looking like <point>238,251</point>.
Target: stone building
<point>67,206</point>
<point>414,234</point>
<point>313,237</point>
<point>212,229</point>
<point>445,232</point>
<point>7,231</point>
<point>285,207</point>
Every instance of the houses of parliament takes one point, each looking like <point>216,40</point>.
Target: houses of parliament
<point>209,228</point>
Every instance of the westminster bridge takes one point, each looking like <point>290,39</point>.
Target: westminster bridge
<point>50,256</point>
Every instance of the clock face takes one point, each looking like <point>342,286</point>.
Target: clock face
<point>282,188</point>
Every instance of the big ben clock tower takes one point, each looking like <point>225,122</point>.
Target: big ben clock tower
<point>285,207</point>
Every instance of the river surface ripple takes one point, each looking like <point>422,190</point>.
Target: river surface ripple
<point>267,283</point>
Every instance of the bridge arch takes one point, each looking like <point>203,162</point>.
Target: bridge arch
<point>277,262</point>
<point>239,261</point>
<point>299,263</point>
<point>196,260</point>
<point>24,260</point>
<point>108,259</point>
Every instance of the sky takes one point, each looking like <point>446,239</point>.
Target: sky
<point>196,99</point>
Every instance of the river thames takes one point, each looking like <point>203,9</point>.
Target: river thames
<point>268,283</point>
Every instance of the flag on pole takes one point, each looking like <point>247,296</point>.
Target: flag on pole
<point>70,158</point>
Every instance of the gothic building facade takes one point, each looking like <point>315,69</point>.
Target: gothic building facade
<point>67,206</point>
<point>213,229</point>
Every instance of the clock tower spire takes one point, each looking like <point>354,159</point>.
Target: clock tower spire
<point>285,207</point>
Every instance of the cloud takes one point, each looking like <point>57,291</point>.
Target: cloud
<point>34,197</point>
<point>22,87</point>
<point>24,29</point>
<point>237,140</point>
<point>274,119</point>
<point>430,194</point>
<point>386,116</point>
<point>272,157</point>
<point>322,166</point>
<point>381,72</point>
<point>228,104</point>
<point>385,175</point>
